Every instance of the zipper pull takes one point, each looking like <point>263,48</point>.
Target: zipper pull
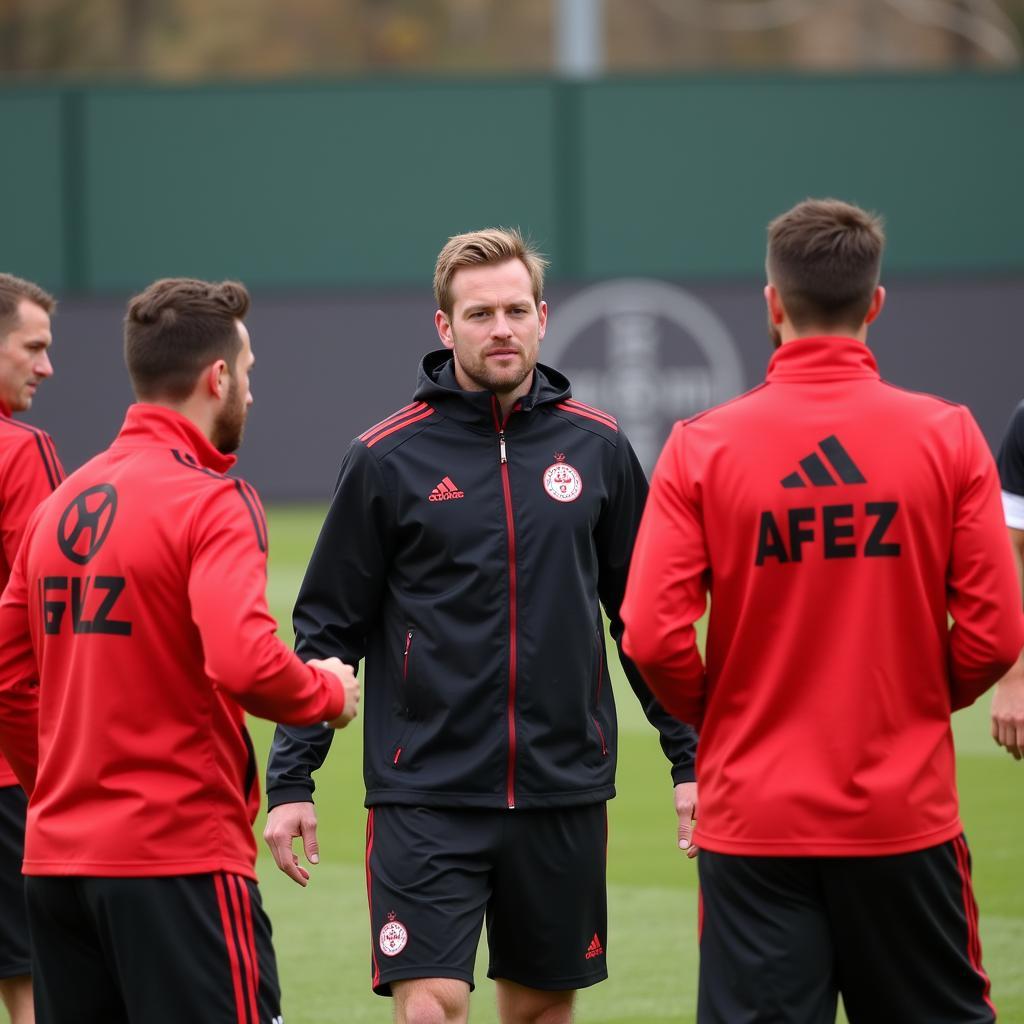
<point>501,446</point>
<point>408,644</point>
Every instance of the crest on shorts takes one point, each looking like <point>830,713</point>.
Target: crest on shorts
<point>393,936</point>
<point>562,481</point>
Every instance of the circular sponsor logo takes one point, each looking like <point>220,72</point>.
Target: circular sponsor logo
<point>647,351</point>
<point>86,522</point>
<point>563,482</point>
<point>393,937</point>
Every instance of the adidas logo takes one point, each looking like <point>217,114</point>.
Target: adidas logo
<point>816,471</point>
<point>595,948</point>
<point>446,491</point>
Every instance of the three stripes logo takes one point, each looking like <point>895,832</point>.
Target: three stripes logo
<point>595,948</point>
<point>817,472</point>
<point>446,491</point>
<point>834,531</point>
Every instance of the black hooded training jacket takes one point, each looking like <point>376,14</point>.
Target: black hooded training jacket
<point>466,560</point>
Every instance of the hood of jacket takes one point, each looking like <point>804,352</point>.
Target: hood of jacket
<point>436,385</point>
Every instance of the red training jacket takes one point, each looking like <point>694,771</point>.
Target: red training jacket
<point>138,601</point>
<point>29,471</point>
<point>837,522</point>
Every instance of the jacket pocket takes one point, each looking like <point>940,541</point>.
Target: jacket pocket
<point>399,745</point>
<point>596,706</point>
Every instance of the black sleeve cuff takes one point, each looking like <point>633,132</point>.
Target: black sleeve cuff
<point>293,794</point>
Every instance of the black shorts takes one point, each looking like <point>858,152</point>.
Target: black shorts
<point>151,951</point>
<point>14,945</point>
<point>433,875</point>
<point>897,936</point>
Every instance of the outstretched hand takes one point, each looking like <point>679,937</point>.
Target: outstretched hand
<point>286,823</point>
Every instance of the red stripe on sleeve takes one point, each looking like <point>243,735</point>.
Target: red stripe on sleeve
<point>602,419</point>
<point>401,425</point>
<point>583,407</point>
<point>405,410</point>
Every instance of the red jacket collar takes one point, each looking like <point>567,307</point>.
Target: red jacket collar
<point>156,426</point>
<point>4,410</point>
<point>827,357</point>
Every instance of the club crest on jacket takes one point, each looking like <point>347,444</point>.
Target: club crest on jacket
<point>562,481</point>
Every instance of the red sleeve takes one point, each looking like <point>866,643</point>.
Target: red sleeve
<point>31,474</point>
<point>19,681</point>
<point>227,592</point>
<point>983,592</point>
<point>667,588</point>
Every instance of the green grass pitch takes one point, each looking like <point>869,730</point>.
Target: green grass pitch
<point>322,935</point>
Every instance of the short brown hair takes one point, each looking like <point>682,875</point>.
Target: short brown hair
<point>176,328</point>
<point>824,257</point>
<point>479,248</point>
<point>13,291</point>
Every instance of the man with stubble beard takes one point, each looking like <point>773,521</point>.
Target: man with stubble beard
<point>29,471</point>
<point>473,539</point>
<point>134,636</point>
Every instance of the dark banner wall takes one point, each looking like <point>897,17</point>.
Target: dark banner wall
<point>329,365</point>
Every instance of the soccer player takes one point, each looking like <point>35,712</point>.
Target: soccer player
<point>133,633</point>
<point>29,471</point>
<point>838,522</point>
<point>1007,712</point>
<point>473,538</point>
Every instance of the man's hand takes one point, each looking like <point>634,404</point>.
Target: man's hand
<point>686,810</point>
<point>285,823</point>
<point>1008,711</point>
<point>348,679</point>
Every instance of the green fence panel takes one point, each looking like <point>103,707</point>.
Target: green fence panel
<point>359,183</point>
<point>679,177</point>
<point>350,184</point>
<point>32,239</point>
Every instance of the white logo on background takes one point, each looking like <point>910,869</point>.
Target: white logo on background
<point>647,351</point>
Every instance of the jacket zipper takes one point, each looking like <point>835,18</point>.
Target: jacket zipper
<point>405,679</point>
<point>500,425</point>
<point>597,698</point>
<point>405,658</point>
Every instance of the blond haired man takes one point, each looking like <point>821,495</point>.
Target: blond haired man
<point>473,539</point>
